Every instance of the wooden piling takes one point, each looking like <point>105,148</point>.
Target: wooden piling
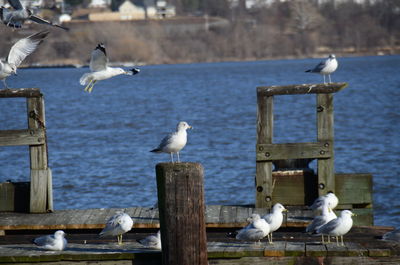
<point>181,208</point>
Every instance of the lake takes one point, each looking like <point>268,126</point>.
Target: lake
<point>99,143</point>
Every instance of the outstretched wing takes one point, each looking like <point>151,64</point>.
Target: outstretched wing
<point>99,58</point>
<point>16,4</point>
<point>22,48</point>
<point>43,21</point>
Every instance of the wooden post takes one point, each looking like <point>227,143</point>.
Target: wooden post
<point>40,173</point>
<point>265,129</point>
<point>325,135</point>
<point>181,208</point>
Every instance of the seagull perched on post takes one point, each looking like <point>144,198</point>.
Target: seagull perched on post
<point>100,70</point>
<point>174,142</point>
<point>52,242</point>
<point>18,52</point>
<point>15,18</point>
<point>326,67</point>
<point>118,224</point>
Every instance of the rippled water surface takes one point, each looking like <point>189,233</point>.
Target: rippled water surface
<point>99,143</point>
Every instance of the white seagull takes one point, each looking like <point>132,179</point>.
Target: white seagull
<point>100,70</point>
<point>330,199</point>
<point>392,235</point>
<point>15,18</point>
<point>152,241</point>
<point>326,67</point>
<point>274,219</point>
<point>118,224</point>
<point>338,226</point>
<point>255,231</point>
<point>52,242</point>
<point>174,142</point>
<point>18,52</point>
<point>326,216</point>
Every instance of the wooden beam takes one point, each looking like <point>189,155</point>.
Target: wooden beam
<point>301,89</point>
<point>271,152</point>
<point>20,93</point>
<point>22,137</point>
<point>265,130</point>
<point>182,213</point>
<point>325,133</point>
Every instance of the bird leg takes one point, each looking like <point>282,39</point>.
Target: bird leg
<point>172,157</point>
<point>323,242</point>
<point>324,79</point>
<point>88,85</point>
<point>177,153</point>
<point>270,238</point>
<point>337,240</point>
<point>330,81</point>
<point>329,239</point>
<point>119,239</point>
<point>5,84</point>
<point>342,240</point>
<point>91,87</point>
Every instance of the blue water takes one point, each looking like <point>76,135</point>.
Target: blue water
<point>99,143</point>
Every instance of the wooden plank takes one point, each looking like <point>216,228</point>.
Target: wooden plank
<point>212,215</point>
<point>180,192</point>
<point>7,193</point>
<point>335,250</point>
<point>265,129</point>
<point>49,206</point>
<point>22,137</point>
<point>355,249</point>
<point>326,177</point>
<point>301,89</point>
<point>275,250</point>
<point>354,188</point>
<point>295,249</point>
<point>315,250</point>
<point>271,152</point>
<point>242,213</point>
<point>38,194</point>
<point>21,92</point>
<point>228,216</point>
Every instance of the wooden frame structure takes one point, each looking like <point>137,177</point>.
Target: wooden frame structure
<point>41,199</point>
<point>267,151</point>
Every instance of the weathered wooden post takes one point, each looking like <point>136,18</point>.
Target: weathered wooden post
<point>181,208</point>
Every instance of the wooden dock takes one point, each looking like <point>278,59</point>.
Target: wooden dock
<point>292,245</point>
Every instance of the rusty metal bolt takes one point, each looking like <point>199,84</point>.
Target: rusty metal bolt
<point>259,189</point>
<point>261,148</point>
<point>321,186</point>
<point>320,109</point>
<point>326,144</point>
<point>322,152</point>
<point>268,198</point>
<point>267,154</point>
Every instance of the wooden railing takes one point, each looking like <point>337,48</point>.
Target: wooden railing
<point>41,199</point>
<point>267,151</point>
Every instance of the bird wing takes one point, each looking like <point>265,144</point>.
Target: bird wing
<point>319,66</point>
<point>99,59</point>
<point>22,48</point>
<point>16,4</point>
<point>6,16</point>
<point>268,218</point>
<point>329,227</point>
<point>112,224</point>
<point>44,240</point>
<point>317,222</point>
<point>166,140</point>
<point>250,234</point>
<point>43,21</point>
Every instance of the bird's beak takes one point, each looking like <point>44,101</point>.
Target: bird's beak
<point>353,214</point>
<point>329,209</point>
<point>190,127</point>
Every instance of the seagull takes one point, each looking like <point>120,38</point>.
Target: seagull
<point>18,52</point>
<point>330,199</point>
<point>326,67</point>
<point>326,216</point>
<point>174,142</point>
<point>15,18</point>
<point>255,231</point>
<point>338,226</point>
<point>52,242</point>
<point>118,224</point>
<point>152,241</point>
<point>392,235</point>
<point>274,219</point>
<point>100,70</point>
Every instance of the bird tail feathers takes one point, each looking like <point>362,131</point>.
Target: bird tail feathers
<point>157,150</point>
<point>308,71</point>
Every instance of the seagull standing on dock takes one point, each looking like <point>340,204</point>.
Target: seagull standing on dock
<point>15,18</point>
<point>338,226</point>
<point>52,242</point>
<point>326,216</point>
<point>152,241</point>
<point>329,199</point>
<point>18,52</point>
<point>274,219</point>
<point>174,142</point>
<point>100,70</point>
<point>326,67</point>
<point>118,224</point>
<point>255,231</point>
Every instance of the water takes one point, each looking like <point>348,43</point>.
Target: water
<point>99,143</point>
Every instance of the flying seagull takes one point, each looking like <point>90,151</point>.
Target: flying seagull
<point>100,70</point>
<point>326,67</point>
<point>174,142</point>
<point>16,17</point>
<point>52,242</point>
<point>118,224</point>
<point>19,51</point>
